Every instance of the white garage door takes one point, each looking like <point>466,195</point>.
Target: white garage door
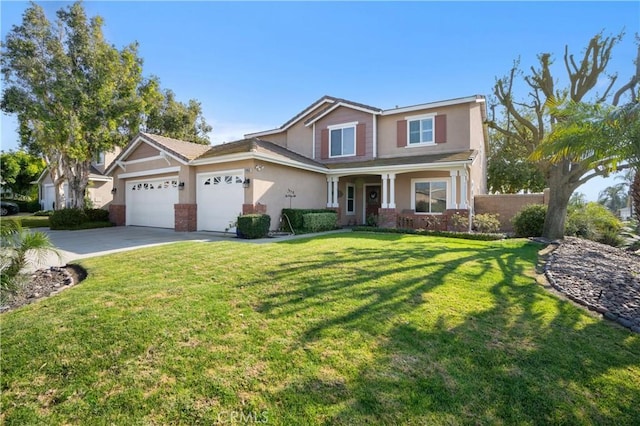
<point>150,202</point>
<point>220,197</point>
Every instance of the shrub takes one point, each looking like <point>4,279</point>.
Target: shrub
<point>97,215</point>
<point>426,232</point>
<point>253,226</point>
<point>486,223</point>
<point>43,213</point>
<point>67,219</point>
<point>595,222</point>
<point>459,222</point>
<point>317,222</point>
<point>529,221</point>
<point>296,219</point>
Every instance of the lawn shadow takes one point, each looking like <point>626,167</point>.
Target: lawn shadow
<point>515,362</point>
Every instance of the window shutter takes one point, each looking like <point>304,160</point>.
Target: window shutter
<point>324,144</point>
<point>402,133</point>
<point>361,146</point>
<point>441,128</point>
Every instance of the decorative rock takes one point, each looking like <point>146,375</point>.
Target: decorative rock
<point>602,278</point>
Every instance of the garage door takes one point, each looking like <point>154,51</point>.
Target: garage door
<point>220,197</point>
<point>150,202</point>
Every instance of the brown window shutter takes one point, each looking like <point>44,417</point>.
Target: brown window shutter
<point>441,128</point>
<point>324,144</point>
<point>402,133</point>
<point>361,146</point>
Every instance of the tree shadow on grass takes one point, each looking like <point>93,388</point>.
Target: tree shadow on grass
<point>527,358</point>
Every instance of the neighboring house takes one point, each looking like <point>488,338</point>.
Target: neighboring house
<point>98,191</point>
<point>411,162</point>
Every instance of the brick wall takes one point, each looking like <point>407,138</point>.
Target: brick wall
<point>254,208</point>
<point>186,217</point>
<point>507,205</point>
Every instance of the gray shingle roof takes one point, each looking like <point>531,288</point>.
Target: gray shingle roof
<point>451,157</point>
<point>186,151</point>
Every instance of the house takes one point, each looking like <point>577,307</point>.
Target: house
<point>98,191</point>
<point>408,163</point>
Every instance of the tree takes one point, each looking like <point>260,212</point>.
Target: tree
<point>543,113</point>
<point>508,171</point>
<point>18,169</point>
<point>19,247</point>
<point>614,197</point>
<point>75,95</point>
<point>168,117</point>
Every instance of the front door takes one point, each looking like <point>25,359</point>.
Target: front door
<point>372,201</point>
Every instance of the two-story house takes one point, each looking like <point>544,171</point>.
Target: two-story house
<point>365,162</point>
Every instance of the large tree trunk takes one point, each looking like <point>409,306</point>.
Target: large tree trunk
<point>78,178</point>
<point>561,186</point>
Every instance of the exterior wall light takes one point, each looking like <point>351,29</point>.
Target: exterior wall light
<point>246,183</point>
<point>114,190</point>
<point>181,186</point>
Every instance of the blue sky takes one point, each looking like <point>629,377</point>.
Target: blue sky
<point>253,65</point>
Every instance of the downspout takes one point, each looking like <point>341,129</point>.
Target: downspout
<point>375,136</point>
<point>313,142</point>
<point>470,198</point>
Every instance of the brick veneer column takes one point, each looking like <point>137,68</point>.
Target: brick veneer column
<point>186,217</point>
<point>387,218</point>
<point>254,208</point>
<point>117,214</point>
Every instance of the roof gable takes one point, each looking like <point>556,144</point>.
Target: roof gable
<point>181,151</point>
<point>331,104</point>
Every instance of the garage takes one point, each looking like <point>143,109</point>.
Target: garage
<point>150,202</point>
<point>220,197</point>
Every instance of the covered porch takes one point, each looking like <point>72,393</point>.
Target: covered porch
<point>415,196</point>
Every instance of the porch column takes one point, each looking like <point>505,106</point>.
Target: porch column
<point>384,204</point>
<point>463,189</point>
<point>334,202</point>
<point>329,198</point>
<point>392,190</point>
<point>453,204</point>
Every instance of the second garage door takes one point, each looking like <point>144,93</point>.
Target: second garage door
<point>150,202</point>
<point>220,197</point>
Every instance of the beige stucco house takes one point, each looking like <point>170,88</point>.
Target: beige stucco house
<point>412,162</point>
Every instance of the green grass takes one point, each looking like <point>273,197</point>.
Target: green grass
<point>342,329</point>
<point>29,221</point>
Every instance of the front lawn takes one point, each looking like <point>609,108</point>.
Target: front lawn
<point>29,221</point>
<point>344,329</point>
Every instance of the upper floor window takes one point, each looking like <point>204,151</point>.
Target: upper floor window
<point>421,130</point>
<point>342,140</point>
<point>98,157</point>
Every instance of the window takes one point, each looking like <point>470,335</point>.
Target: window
<point>351,199</point>
<point>342,141</point>
<point>429,196</point>
<point>98,158</point>
<point>421,131</point>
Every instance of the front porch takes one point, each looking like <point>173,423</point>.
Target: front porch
<point>410,199</point>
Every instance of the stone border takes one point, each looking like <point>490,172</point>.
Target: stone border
<point>607,314</point>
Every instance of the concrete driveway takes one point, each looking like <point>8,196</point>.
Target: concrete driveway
<point>73,245</point>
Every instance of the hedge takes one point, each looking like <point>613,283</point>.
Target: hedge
<point>253,226</point>
<point>448,234</point>
<point>79,219</point>
<point>318,222</point>
<point>296,217</point>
